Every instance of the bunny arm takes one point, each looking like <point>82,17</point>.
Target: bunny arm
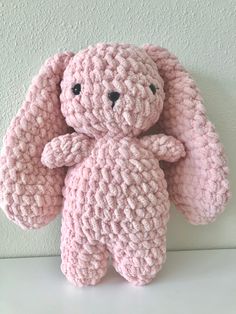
<point>166,147</point>
<point>66,150</point>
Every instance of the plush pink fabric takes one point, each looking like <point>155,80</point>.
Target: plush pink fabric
<point>116,197</point>
<point>197,184</point>
<point>30,194</point>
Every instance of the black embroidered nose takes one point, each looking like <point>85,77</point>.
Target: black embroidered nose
<point>113,96</point>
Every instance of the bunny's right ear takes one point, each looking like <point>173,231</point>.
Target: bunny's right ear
<point>30,193</point>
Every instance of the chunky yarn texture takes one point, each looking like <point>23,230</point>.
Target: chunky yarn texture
<point>79,143</point>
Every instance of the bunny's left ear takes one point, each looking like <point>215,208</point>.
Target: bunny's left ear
<point>198,183</point>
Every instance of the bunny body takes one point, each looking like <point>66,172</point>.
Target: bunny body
<point>115,201</point>
<point>105,176</point>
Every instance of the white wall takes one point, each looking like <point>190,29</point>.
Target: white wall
<point>201,33</point>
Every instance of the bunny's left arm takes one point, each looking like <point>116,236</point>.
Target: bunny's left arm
<point>165,147</point>
<point>66,150</point>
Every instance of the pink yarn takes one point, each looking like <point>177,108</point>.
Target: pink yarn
<point>115,192</point>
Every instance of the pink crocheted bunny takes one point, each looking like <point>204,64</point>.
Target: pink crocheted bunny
<point>115,198</point>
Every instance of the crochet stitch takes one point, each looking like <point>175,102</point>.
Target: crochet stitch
<point>80,143</point>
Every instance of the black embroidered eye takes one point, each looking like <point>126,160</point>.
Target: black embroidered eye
<point>153,88</point>
<point>76,89</point>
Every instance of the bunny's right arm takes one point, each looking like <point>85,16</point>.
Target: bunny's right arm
<point>66,150</point>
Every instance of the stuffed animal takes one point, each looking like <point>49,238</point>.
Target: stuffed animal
<point>79,144</point>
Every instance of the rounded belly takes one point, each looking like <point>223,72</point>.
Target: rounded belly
<point>113,191</point>
<point>121,201</point>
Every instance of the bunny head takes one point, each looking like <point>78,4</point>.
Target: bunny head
<point>111,89</point>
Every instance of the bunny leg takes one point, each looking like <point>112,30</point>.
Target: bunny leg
<point>83,262</point>
<point>140,266</point>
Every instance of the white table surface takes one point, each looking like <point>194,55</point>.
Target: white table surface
<point>190,282</point>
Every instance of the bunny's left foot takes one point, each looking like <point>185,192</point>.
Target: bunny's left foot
<point>139,267</point>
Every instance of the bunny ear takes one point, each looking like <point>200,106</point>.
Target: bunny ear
<point>197,184</point>
<point>30,193</point>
